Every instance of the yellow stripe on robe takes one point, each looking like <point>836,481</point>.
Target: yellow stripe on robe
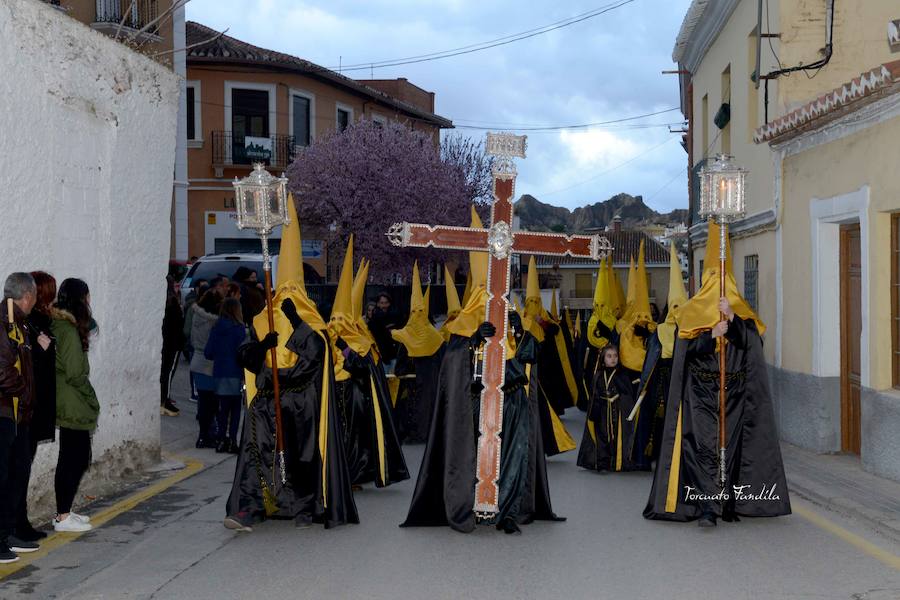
<point>675,470</point>
<point>379,432</point>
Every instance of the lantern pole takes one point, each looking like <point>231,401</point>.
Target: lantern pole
<point>722,199</point>
<point>273,355</point>
<point>261,218</point>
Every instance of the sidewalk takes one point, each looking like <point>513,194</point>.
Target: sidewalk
<point>838,483</point>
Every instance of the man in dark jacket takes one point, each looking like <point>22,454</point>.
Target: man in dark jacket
<point>16,405</point>
<point>173,343</point>
<point>253,298</point>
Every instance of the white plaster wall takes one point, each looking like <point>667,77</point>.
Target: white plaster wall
<point>87,145</point>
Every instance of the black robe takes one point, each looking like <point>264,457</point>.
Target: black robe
<point>370,438</point>
<point>307,494</point>
<point>417,393</point>
<point>552,381</point>
<point>445,488</point>
<point>688,456</point>
<point>575,350</point>
<point>651,416</point>
<point>608,440</point>
<point>591,360</point>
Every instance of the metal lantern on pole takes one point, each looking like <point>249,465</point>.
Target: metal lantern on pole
<point>722,192</point>
<point>261,200</point>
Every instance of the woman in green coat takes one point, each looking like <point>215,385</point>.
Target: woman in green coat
<point>77,408</point>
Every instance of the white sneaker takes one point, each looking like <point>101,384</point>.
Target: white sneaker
<point>82,518</point>
<point>71,524</point>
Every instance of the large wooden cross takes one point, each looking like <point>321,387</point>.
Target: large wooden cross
<point>501,242</point>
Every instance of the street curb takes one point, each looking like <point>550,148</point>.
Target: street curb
<point>879,525</point>
<point>55,540</point>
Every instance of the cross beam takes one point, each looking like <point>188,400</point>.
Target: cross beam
<point>501,242</point>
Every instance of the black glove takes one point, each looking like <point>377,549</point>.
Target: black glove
<point>602,331</point>
<point>270,341</point>
<point>550,329</point>
<point>290,311</point>
<point>515,321</point>
<point>341,344</point>
<point>484,331</point>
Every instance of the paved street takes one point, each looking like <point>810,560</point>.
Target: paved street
<point>173,546</point>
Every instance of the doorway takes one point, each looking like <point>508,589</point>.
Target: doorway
<point>851,333</point>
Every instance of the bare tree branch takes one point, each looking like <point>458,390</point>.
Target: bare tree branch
<point>124,18</point>
<point>186,48</point>
<point>176,4</point>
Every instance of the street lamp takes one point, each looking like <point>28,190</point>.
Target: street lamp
<point>722,190</point>
<point>261,200</point>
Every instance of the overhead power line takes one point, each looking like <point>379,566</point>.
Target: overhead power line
<point>526,127</point>
<point>509,39</point>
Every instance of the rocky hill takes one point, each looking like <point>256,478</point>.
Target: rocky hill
<point>538,216</point>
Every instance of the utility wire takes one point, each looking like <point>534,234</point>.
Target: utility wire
<point>578,126</point>
<point>524,35</point>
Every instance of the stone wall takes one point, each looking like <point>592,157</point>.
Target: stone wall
<point>86,169</point>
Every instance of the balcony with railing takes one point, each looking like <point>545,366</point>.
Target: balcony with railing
<point>236,150</point>
<point>129,19</point>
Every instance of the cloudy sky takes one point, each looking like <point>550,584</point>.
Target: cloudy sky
<point>601,69</point>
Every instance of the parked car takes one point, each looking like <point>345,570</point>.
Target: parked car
<point>224,265</point>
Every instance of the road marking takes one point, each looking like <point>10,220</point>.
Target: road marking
<point>56,540</point>
<point>867,547</point>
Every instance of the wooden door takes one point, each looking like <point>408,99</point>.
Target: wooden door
<point>851,333</point>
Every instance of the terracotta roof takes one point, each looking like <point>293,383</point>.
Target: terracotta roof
<point>691,18</point>
<point>625,245</point>
<point>226,49</point>
<point>865,89</point>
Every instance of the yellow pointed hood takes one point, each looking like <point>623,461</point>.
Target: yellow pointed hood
<point>343,300</point>
<point>472,313</point>
<point>453,306</point>
<point>632,348</point>
<point>603,306</point>
<point>676,298</point>
<point>554,310</point>
<point>290,284</point>
<point>616,294</point>
<point>419,335</point>
<point>358,291</point>
<point>344,323</point>
<point>290,257</point>
<point>641,311</point>
<point>629,296</point>
<point>577,332</point>
<point>534,306</point>
<point>677,292</point>
<point>478,261</point>
<point>701,312</point>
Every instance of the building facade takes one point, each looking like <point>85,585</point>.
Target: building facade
<point>246,103</point>
<point>576,278</point>
<point>822,156</point>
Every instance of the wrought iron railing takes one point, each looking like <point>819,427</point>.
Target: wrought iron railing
<point>231,148</point>
<point>131,13</point>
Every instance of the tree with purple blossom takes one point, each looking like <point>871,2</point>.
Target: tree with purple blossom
<point>369,176</point>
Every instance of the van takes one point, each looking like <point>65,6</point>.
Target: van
<point>224,265</point>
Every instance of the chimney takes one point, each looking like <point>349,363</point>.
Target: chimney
<point>617,224</point>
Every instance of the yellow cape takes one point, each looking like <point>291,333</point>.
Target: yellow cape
<point>701,313</point>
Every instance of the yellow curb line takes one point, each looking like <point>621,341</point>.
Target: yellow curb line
<point>56,540</point>
<point>867,547</point>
